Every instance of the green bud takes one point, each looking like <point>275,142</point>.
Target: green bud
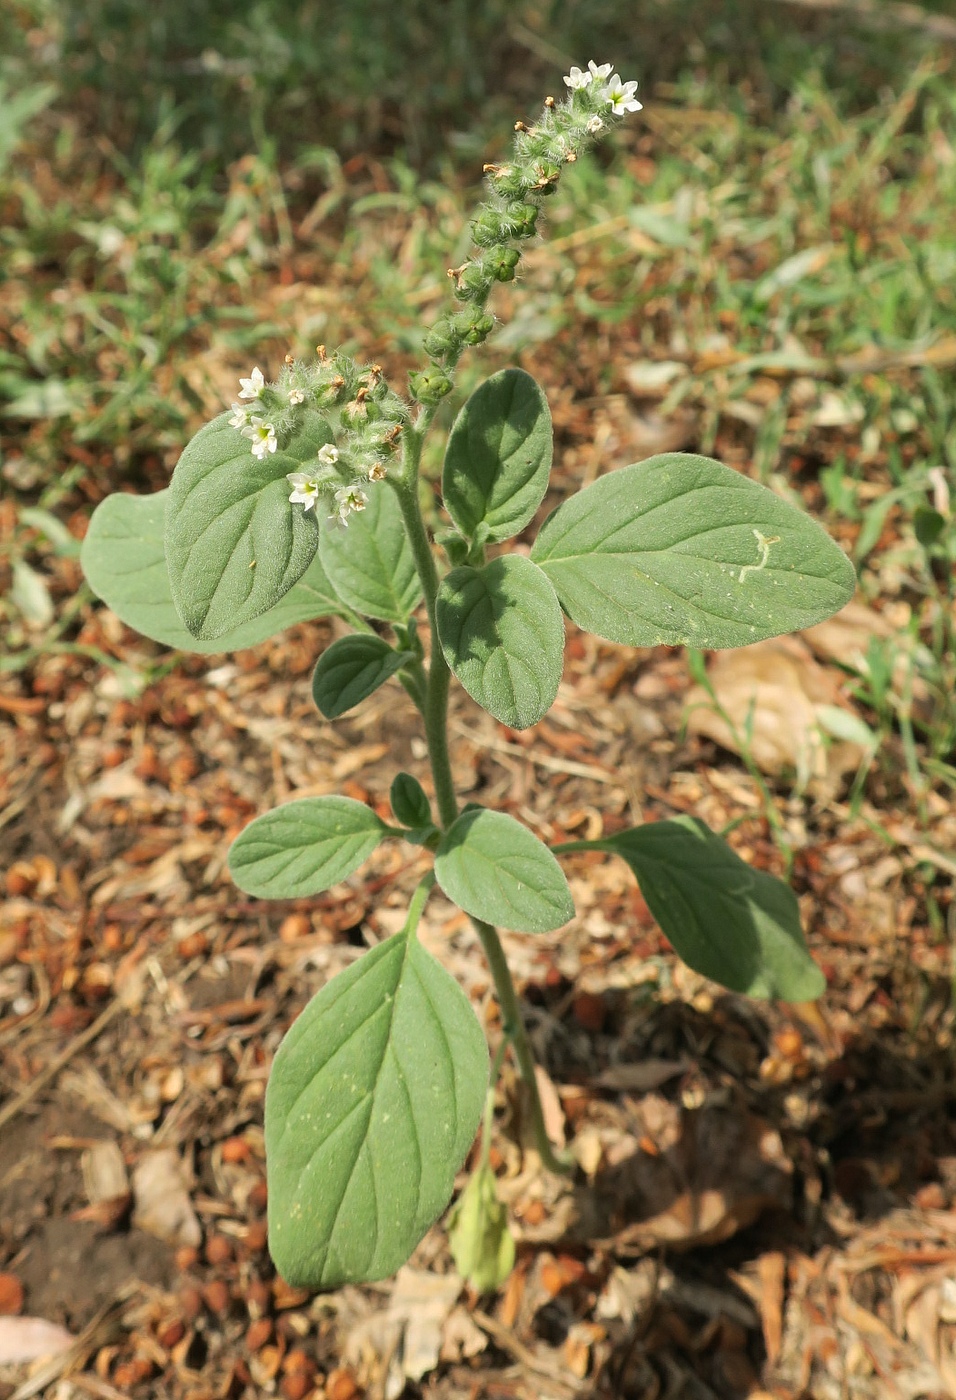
<point>513,183</point>
<point>502,264</point>
<point>443,339</point>
<point>473,283</point>
<point>479,330</point>
<point>429,385</point>
<point>522,220</point>
<point>489,229</point>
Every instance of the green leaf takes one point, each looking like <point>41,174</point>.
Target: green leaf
<point>374,1099</point>
<point>370,562</point>
<point>234,544</point>
<point>499,456</point>
<point>734,924</point>
<point>303,847</point>
<point>125,565</point>
<point>351,670</point>
<point>502,633</point>
<point>497,870</point>
<point>481,1243</point>
<point>410,801</point>
<point>680,550</point>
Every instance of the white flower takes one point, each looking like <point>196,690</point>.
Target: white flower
<point>595,124</point>
<point>377,472</point>
<point>306,489</point>
<point>296,396</point>
<point>252,387</point>
<point>599,73</point>
<point>263,437</point>
<point>620,96</point>
<point>328,454</point>
<point>576,79</point>
<point>347,499</point>
<point>240,416</point>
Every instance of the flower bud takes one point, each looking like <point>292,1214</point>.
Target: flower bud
<point>489,229</point>
<point>513,182</point>
<point>473,282</point>
<point>522,220</point>
<point>429,385</point>
<point>502,263</point>
<point>479,330</point>
<point>443,339</point>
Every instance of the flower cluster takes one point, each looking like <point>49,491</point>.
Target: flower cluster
<point>617,95</point>
<point>540,152</point>
<point>331,393</point>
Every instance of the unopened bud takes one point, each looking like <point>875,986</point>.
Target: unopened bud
<point>473,283</point>
<point>430,385</point>
<point>502,263</point>
<point>523,219</point>
<point>488,229</point>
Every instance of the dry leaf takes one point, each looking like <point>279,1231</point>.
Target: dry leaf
<point>778,690</point>
<point>162,1204</point>
<point>104,1172</point>
<point>410,1331</point>
<point>725,1167</point>
<point>24,1339</point>
<point>642,1077</point>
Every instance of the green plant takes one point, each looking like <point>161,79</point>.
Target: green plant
<point>377,1091</point>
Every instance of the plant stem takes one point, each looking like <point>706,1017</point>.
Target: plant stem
<point>514,1029</point>
<point>435,714</point>
<point>435,709</point>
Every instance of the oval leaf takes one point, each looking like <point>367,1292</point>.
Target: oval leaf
<point>374,1099</point>
<point>303,847</point>
<point>351,670</point>
<point>497,870</point>
<point>681,550</point>
<point>410,801</point>
<point>124,561</point>
<point>734,924</point>
<point>502,633</point>
<point>499,456</point>
<point>370,562</point>
<point>234,544</point>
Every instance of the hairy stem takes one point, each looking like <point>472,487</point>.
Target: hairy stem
<point>435,711</point>
<point>435,715</point>
<point>514,1029</point>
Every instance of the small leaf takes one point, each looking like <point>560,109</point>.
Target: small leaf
<point>303,847</point>
<point>370,562</point>
<point>351,670</point>
<point>734,924</point>
<point>124,561</point>
<point>681,550</point>
<point>481,1243</point>
<point>497,870</point>
<point>502,633</point>
<point>374,1099</point>
<point>410,801</point>
<point>234,544</point>
<point>499,456</point>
